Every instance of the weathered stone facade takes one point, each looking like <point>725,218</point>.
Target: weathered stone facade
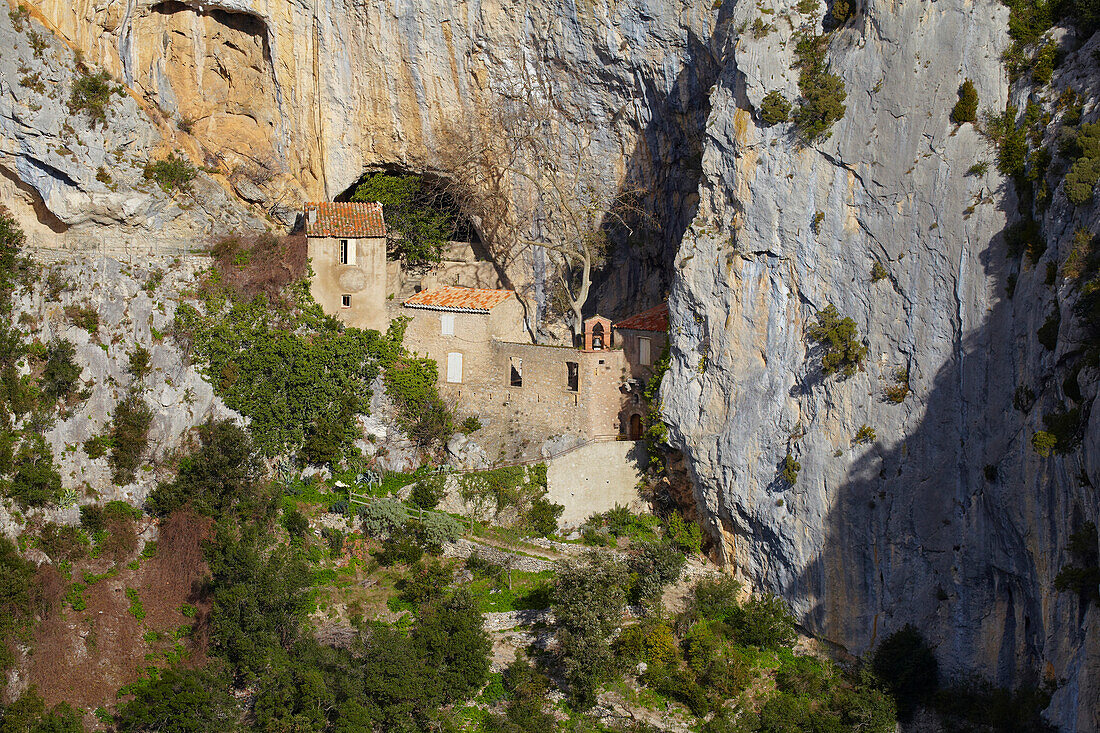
<point>362,281</point>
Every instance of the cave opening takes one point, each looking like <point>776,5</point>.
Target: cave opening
<point>419,208</point>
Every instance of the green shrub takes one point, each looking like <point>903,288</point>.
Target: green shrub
<point>429,491</point>
<point>1066,427</point>
<point>296,524</point>
<point>437,530</point>
<point>907,666</point>
<point>878,272</point>
<point>588,600</point>
<point>60,373</point>
<point>91,94</point>
<point>899,390</point>
<point>764,621</point>
<point>865,434</point>
<point>774,108</point>
<point>1025,237</point>
<point>1081,261</point>
<point>129,437</point>
<point>789,469</point>
<point>654,566</point>
<point>979,169</point>
<point>542,517</point>
<point>822,102</point>
<point>35,481</point>
<point>1048,332</point>
<point>221,476</point>
<point>84,317</point>
<point>382,517</point>
<point>174,173</point>
<point>1043,443</point>
<point>411,206</point>
<point>683,534</point>
<point>471,425</point>
<point>28,714</point>
<point>62,542</point>
<point>139,366</point>
<point>137,608</point>
<point>1081,180</point>
<point>839,338</point>
<point>421,411</point>
<point>966,109</point>
<point>190,700</point>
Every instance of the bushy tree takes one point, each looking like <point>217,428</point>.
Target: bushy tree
<point>823,93</point>
<point>453,644</point>
<point>129,437</point>
<point>222,475</point>
<point>60,372</point>
<point>383,517</point>
<point>966,109</point>
<point>411,208</point>
<point>774,108</point>
<point>180,701</point>
<point>907,666</point>
<point>28,714</point>
<point>653,566</point>
<point>588,600</point>
<point>839,337</point>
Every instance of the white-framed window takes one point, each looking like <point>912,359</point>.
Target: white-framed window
<point>345,301</point>
<point>347,251</point>
<point>645,351</point>
<point>447,324</point>
<point>454,367</point>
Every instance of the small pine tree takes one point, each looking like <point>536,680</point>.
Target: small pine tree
<point>774,108</point>
<point>966,109</point>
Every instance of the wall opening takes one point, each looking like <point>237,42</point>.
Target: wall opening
<point>572,375</point>
<point>515,371</point>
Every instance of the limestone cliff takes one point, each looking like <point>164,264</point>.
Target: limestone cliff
<point>947,519</point>
<point>292,100</point>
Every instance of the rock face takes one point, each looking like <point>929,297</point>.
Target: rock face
<point>295,101</point>
<point>947,519</point>
<point>73,182</point>
<point>132,311</point>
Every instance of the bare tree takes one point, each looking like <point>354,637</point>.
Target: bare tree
<point>521,169</point>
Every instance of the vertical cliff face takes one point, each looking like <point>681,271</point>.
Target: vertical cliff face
<point>947,519</point>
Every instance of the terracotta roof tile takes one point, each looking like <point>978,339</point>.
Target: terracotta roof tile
<point>654,319</point>
<point>454,298</point>
<point>344,219</point>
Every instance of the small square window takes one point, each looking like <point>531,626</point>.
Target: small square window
<point>345,301</point>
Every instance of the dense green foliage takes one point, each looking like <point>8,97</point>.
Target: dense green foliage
<point>28,714</point>
<point>174,173</point>
<point>412,208</point>
<point>966,109</point>
<point>221,477</point>
<point>421,411</point>
<point>520,490</point>
<point>1084,148</point>
<point>28,473</point>
<point>822,102</point>
<point>839,338</point>
<point>294,374</point>
<point>656,432</point>
<point>129,437</point>
<point>15,598</point>
<point>774,108</point>
<point>588,600</point>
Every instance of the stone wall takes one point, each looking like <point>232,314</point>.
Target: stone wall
<point>595,478</point>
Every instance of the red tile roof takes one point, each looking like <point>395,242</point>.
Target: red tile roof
<point>453,298</point>
<point>654,319</point>
<point>344,219</point>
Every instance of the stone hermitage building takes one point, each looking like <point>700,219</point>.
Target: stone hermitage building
<point>488,364</point>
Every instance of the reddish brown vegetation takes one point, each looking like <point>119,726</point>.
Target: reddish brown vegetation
<point>265,264</point>
<point>84,657</point>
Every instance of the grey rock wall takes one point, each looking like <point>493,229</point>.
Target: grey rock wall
<point>908,528</point>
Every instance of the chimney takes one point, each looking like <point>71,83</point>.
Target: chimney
<point>311,215</point>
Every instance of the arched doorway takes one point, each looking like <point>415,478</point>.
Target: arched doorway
<point>635,427</point>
